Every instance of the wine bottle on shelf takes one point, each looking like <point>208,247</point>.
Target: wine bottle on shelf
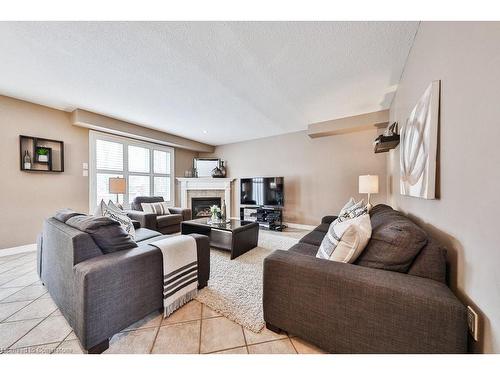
<point>27,160</point>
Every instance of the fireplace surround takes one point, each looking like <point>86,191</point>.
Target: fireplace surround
<point>205,187</point>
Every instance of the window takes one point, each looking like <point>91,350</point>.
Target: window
<point>146,167</point>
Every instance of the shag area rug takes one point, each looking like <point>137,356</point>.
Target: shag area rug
<point>235,286</point>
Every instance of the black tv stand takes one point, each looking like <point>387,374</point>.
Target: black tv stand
<point>267,216</point>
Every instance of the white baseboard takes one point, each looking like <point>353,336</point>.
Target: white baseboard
<point>18,250</point>
<point>300,226</point>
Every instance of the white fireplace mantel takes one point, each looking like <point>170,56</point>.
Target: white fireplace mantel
<point>205,183</point>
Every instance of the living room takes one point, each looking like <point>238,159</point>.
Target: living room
<point>249,187</point>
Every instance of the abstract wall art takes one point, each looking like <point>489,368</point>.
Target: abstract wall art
<point>419,138</point>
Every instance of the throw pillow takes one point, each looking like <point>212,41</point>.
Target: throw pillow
<point>351,202</point>
<point>354,240</point>
<point>65,214</point>
<point>106,232</point>
<point>116,214</point>
<point>358,230</point>
<point>395,243</point>
<point>158,208</point>
<point>101,207</point>
<point>355,210</point>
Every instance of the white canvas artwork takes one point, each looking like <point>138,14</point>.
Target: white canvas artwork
<point>419,146</point>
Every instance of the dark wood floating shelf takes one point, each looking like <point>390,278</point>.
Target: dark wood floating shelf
<point>45,155</point>
<point>386,143</point>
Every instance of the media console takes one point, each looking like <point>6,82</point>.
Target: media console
<point>267,217</point>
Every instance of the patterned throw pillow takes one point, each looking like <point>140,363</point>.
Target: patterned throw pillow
<point>357,233</point>
<point>113,212</point>
<point>159,208</point>
<point>351,202</point>
<point>335,231</point>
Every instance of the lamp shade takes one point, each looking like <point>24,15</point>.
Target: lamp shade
<point>117,185</point>
<point>368,184</point>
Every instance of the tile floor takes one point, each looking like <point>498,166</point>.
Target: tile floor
<point>30,322</point>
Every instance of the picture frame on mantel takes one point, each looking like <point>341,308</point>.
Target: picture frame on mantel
<point>205,166</point>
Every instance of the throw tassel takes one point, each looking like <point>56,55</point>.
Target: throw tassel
<point>179,302</point>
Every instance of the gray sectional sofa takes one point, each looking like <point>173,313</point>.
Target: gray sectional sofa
<point>393,300</point>
<point>101,292</point>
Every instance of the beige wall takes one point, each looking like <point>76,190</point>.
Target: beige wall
<point>183,162</point>
<point>320,174</point>
<point>28,197</point>
<point>466,58</point>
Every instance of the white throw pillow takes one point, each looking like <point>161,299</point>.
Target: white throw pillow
<point>357,233</point>
<point>159,208</point>
<point>337,229</point>
<point>119,215</point>
<point>351,202</point>
<point>99,211</point>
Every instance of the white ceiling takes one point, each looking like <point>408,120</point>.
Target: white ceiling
<point>214,82</point>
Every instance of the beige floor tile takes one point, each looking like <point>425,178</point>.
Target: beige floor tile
<point>190,311</point>
<point>303,347</point>
<point>152,320</point>
<point>56,313</point>
<point>37,349</point>
<point>37,309</point>
<point>28,293</point>
<point>69,347</point>
<point>6,292</point>
<point>24,280</point>
<point>182,338</point>
<point>71,336</point>
<point>132,342</point>
<point>241,350</point>
<point>262,336</point>
<point>9,308</point>
<point>207,312</point>
<point>50,330</point>
<point>273,347</point>
<point>11,332</point>
<point>219,334</point>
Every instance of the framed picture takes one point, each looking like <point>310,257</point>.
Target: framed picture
<point>419,139</point>
<point>205,166</point>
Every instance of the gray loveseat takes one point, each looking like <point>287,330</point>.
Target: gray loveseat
<point>165,224</point>
<point>102,293</point>
<point>393,300</point>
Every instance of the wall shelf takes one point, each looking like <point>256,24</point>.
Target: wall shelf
<point>52,162</point>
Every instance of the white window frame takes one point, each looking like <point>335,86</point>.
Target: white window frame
<point>95,135</point>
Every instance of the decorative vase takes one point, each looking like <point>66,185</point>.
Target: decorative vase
<point>214,219</point>
<point>223,210</point>
<point>216,172</point>
<point>222,168</point>
<point>43,158</point>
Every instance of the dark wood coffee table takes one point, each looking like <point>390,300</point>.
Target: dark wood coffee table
<point>235,236</point>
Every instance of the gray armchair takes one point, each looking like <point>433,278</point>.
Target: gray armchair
<point>165,224</point>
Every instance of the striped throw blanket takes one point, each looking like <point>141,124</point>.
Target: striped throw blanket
<point>180,271</point>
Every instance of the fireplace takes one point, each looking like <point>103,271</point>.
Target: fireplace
<point>200,207</point>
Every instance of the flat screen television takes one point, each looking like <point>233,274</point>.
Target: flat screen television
<point>262,191</point>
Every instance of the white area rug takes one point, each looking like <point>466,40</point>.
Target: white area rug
<point>235,286</point>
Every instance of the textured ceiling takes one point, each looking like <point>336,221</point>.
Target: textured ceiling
<point>214,82</point>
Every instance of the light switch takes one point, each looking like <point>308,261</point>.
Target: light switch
<point>85,173</point>
<point>86,166</point>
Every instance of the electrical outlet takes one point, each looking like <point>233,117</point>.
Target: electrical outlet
<point>472,322</point>
<point>85,166</point>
